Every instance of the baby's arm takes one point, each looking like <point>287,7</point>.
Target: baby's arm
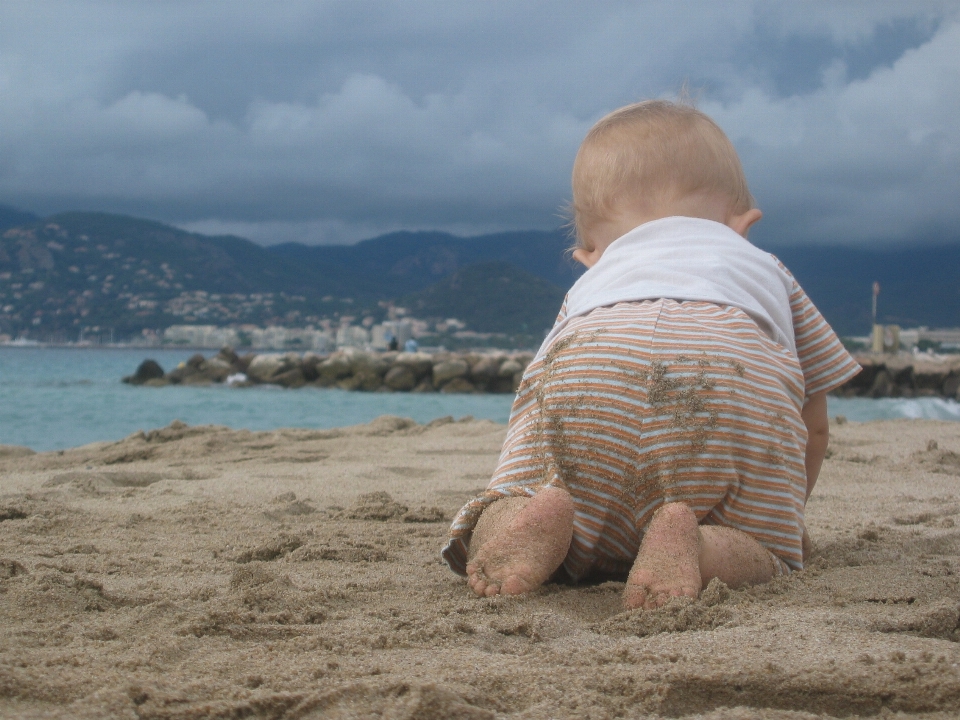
<point>814,416</point>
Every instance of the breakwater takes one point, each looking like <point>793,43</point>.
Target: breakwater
<point>905,375</point>
<point>883,376</point>
<point>348,370</point>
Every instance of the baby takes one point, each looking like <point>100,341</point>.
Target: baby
<point>673,423</point>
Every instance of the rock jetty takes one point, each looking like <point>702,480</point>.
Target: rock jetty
<point>905,375</point>
<point>348,370</point>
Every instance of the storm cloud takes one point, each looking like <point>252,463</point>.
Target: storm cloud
<point>336,121</point>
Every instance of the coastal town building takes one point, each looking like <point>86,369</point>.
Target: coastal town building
<point>893,338</point>
<point>353,336</point>
<point>399,330</point>
<point>201,336</point>
<point>275,337</point>
<point>246,336</point>
<point>945,340</point>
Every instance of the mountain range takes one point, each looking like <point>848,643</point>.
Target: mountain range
<point>77,270</point>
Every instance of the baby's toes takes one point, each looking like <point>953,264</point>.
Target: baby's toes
<point>656,600</point>
<point>491,589</point>
<point>479,585</point>
<point>475,579</point>
<point>480,582</point>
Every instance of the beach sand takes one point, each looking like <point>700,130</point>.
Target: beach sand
<point>202,572</point>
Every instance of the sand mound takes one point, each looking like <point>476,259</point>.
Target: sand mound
<point>201,572</point>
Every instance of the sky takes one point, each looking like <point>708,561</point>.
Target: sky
<point>332,122</point>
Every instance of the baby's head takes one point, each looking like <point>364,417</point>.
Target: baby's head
<point>650,160</point>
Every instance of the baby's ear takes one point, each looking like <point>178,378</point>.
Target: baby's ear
<point>741,224</point>
<point>587,258</point>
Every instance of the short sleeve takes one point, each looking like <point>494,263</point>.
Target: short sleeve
<point>824,360</point>
<point>562,315</point>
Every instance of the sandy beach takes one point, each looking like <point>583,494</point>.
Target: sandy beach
<point>202,572</point>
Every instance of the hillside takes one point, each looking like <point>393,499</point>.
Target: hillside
<point>403,262</point>
<point>12,217</point>
<point>101,272</point>
<point>918,285</point>
<point>90,270</point>
<point>491,297</point>
<point>81,270</point>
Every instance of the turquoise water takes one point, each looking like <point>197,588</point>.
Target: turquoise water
<point>55,398</point>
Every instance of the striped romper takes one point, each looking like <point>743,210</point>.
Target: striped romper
<point>644,403</point>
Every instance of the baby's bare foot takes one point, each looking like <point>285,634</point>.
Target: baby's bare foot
<point>520,542</point>
<point>668,564</point>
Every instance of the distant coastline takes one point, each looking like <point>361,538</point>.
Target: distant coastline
<point>110,278</point>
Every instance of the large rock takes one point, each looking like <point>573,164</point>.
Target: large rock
<point>388,357</point>
<point>263,368</point>
<point>216,369</point>
<point>509,368</point>
<point>862,382</point>
<point>901,373</point>
<point>243,362</point>
<point>419,362</point>
<point>195,378</point>
<point>524,358</point>
<point>369,369</point>
<point>147,370</point>
<point>309,365</point>
<point>486,368</point>
<point>292,378</point>
<point>502,385</point>
<point>929,375</point>
<point>368,380</point>
<point>334,368</point>
<point>883,384</point>
<point>377,363</point>
<point>458,385</point>
<point>447,370</point>
<point>229,356</point>
<point>400,377</point>
<point>188,372</point>
<point>424,386</point>
<point>349,383</point>
<point>951,386</point>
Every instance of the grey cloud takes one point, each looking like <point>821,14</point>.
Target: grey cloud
<point>330,122</point>
<point>794,63</point>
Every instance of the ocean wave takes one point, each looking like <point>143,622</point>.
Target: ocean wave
<point>866,409</point>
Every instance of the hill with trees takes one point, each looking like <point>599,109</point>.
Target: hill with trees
<point>491,297</point>
<point>79,270</point>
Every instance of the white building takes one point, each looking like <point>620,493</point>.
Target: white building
<point>200,336</point>
<point>271,338</point>
<point>401,330</point>
<point>353,336</point>
<point>281,338</point>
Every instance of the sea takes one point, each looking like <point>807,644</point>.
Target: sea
<point>57,398</point>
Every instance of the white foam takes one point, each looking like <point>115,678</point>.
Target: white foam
<point>866,409</point>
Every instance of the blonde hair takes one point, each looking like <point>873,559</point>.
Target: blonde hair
<point>651,153</point>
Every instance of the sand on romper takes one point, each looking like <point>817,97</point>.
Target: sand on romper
<point>201,572</point>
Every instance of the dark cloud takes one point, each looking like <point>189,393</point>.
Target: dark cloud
<point>334,121</point>
<point>786,62</point>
